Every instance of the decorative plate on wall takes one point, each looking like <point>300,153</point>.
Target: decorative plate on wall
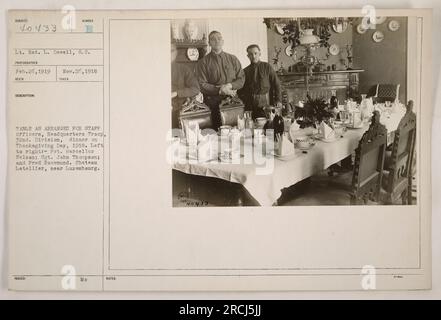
<point>334,49</point>
<point>279,28</point>
<point>340,25</point>
<point>394,25</point>
<point>378,36</point>
<point>193,54</point>
<point>288,51</point>
<point>361,29</point>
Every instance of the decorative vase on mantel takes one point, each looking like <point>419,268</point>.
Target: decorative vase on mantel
<point>190,30</point>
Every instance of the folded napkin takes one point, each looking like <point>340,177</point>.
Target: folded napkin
<point>192,132</point>
<point>234,137</point>
<point>356,119</point>
<point>327,131</point>
<point>398,107</point>
<point>367,108</point>
<point>293,130</point>
<point>207,147</point>
<point>370,104</point>
<point>284,145</point>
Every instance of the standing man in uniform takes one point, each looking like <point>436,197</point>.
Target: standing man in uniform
<point>183,85</point>
<point>220,75</point>
<point>262,86</point>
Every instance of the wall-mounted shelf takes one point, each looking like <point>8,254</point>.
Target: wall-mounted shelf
<point>190,43</point>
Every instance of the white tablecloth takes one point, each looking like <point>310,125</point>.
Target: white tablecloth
<point>266,188</point>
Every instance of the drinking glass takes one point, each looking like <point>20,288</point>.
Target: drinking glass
<point>248,114</point>
<point>241,122</point>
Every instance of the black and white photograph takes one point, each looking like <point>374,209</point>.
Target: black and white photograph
<point>239,151</point>
<point>293,111</point>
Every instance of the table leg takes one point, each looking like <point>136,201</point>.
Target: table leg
<point>347,162</point>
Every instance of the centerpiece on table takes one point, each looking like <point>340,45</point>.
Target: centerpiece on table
<point>314,111</point>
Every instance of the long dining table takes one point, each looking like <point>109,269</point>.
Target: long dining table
<point>265,177</point>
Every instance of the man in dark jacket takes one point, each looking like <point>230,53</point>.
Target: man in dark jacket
<point>262,86</point>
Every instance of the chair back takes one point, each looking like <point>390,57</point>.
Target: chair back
<point>194,110</point>
<point>387,92</point>
<point>369,162</point>
<point>402,155</point>
<point>230,108</point>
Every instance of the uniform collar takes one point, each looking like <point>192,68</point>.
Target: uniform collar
<point>217,54</point>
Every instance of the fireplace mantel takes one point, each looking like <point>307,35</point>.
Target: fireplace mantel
<point>345,82</point>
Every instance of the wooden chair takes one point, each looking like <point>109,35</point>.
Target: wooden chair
<point>369,161</point>
<point>385,92</point>
<point>398,176</point>
<point>230,108</point>
<point>363,183</point>
<point>195,110</point>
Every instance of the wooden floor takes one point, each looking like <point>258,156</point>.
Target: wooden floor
<point>321,189</point>
<point>325,190</point>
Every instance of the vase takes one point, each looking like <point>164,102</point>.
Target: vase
<point>333,101</point>
<point>190,30</point>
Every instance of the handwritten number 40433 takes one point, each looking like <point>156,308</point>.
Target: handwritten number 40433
<point>38,28</point>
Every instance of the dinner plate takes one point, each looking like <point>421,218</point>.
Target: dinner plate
<point>378,36</point>
<point>285,157</point>
<point>306,148</point>
<point>288,51</point>
<point>358,127</point>
<point>361,29</point>
<point>394,25</point>
<point>279,28</point>
<point>311,145</point>
<point>334,49</point>
<point>228,160</point>
<point>329,140</point>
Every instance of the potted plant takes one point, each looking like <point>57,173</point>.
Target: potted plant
<point>314,111</point>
